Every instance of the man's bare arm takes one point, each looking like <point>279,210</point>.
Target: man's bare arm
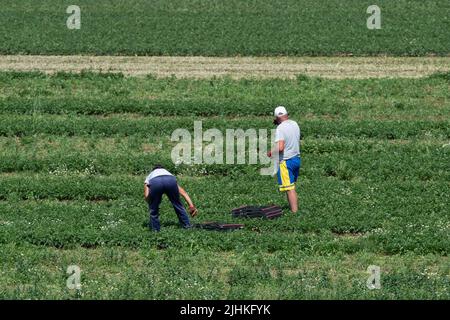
<point>185,195</point>
<point>280,147</point>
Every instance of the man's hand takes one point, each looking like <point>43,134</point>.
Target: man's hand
<point>193,210</point>
<point>279,148</point>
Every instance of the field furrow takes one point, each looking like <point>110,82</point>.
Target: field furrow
<point>199,67</point>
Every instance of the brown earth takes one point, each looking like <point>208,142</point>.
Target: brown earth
<point>235,67</point>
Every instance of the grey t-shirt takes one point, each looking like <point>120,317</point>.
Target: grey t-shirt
<point>288,131</point>
<point>156,173</point>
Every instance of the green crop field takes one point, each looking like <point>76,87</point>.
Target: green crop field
<point>84,118</point>
<point>373,188</point>
<point>226,28</point>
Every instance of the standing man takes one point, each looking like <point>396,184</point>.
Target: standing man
<point>287,145</point>
<point>159,182</point>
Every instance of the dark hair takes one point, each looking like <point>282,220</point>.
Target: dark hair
<point>158,166</point>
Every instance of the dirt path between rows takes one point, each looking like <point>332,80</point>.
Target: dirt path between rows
<point>235,67</point>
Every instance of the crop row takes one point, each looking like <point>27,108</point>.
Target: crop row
<point>66,125</point>
<point>102,94</point>
<point>43,144</point>
<point>190,27</point>
<point>399,217</point>
<point>349,161</point>
<point>123,273</point>
<point>105,188</point>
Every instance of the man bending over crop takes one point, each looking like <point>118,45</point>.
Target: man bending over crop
<point>287,139</point>
<point>159,182</point>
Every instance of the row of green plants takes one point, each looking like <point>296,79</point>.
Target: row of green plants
<point>191,27</point>
<point>121,273</point>
<point>125,125</point>
<point>102,94</point>
<point>345,161</point>
<point>393,217</point>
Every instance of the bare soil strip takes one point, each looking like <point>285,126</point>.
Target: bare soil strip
<point>234,67</point>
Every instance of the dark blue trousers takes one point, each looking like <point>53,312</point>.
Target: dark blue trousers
<point>166,185</point>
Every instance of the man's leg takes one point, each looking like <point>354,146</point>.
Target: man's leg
<point>294,173</point>
<point>294,170</point>
<point>285,185</point>
<point>287,176</point>
<point>156,192</point>
<point>292,199</point>
<point>174,196</point>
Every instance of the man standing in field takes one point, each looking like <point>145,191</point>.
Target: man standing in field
<point>159,182</point>
<point>287,145</point>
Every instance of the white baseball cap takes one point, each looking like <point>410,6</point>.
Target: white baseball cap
<point>280,111</point>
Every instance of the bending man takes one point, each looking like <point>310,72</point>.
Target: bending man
<point>159,182</point>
